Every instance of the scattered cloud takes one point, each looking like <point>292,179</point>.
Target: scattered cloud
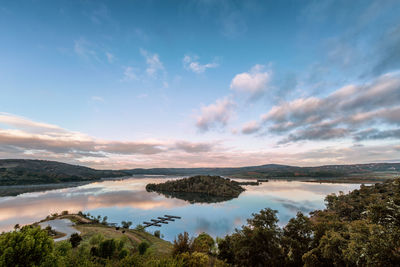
<point>129,74</point>
<point>191,147</point>
<point>374,134</point>
<point>85,50</point>
<point>255,82</point>
<point>340,114</point>
<point>191,63</point>
<point>30,137</point>
<point>251,127</point>
<point>154,64</point>
<point>110,57</point>
<point>97,99</point>
<point>216,114</point>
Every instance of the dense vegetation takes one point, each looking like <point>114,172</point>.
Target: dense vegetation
<point>361,228</point>
<point>207,185</point>
<point>24,172</point>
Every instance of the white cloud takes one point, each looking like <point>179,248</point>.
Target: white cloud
<point>97,99</point>
<point>191,63</point>
<point>85,49</point>
<point>345,113</point>
<point>110,57</point>
<point>255,82</point>
<point>216,114</point>
<point>154,64</point>
<point>129,74</point>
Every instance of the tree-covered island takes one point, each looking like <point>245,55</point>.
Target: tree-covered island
<point>200,184</point>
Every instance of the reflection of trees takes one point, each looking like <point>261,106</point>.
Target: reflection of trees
<point>195,197</point>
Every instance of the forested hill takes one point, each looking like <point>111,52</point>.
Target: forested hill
<point>275,170</point>
<point>27,172</point>
<point>22,172</point>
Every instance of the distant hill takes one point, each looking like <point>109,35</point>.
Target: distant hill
<point>275,170</point>
<point>23,172</point>
<point>28,172</point>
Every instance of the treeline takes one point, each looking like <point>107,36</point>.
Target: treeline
<point>208,185</point>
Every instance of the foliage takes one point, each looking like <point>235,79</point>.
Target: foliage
<point>29,246</point>
<point>203,243</point>
<point>143,246</point>
<point>75,239</point>
<point>209,185</point>
<point>125,224</point>
<point>361,228</point>
<point>182,244</point>
<point>157,233</point>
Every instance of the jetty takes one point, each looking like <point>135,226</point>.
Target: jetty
<point>161,220</point>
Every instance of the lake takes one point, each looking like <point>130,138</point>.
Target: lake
<point>128,200</point>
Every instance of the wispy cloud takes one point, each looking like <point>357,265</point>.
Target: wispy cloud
<point>216,114</point>
<point>129,74</point>
<point>154,64</point>
<point>191,63</point>
<point>85,50</point>
<point>110,57</point>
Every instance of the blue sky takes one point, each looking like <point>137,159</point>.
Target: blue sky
<point>120,84</point>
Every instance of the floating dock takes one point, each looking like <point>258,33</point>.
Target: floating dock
<point>161,220</point>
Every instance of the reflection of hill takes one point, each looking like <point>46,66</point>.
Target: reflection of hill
<point>196,197</point>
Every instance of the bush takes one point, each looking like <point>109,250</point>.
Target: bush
<point>107,248</point>
<point>75,239</point>
<point>143,246</point>
<point>157,233</point>
<point>126,225</point>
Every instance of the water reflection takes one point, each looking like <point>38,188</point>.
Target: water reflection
<point>128,200</point>
<point>195,197</point>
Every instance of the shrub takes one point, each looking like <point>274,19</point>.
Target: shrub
<point>75,239</point>
<point>157,233</point>
<point>143,246</point>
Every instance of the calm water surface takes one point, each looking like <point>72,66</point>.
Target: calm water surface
<point>127,200</point>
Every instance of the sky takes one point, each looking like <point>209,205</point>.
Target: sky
<point>200,83</point>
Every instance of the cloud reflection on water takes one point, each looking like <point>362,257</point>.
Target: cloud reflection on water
<point>122,199</point>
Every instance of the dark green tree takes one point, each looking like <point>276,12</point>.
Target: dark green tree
<point>29,246</point>
<point>75,239</point>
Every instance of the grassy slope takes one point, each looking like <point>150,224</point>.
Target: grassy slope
<point>88,229</point>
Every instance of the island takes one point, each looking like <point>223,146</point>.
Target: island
<point>200,188</point>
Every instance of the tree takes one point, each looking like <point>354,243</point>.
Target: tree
<point>182,244</point>
<point>104,220</point>
<point>203,243</point>
<point>125,224</point>
<point>30,246</point>
<point>296,239</point>
<point>143,246</point>
<point>258,242</point>
<point>107,248</point>
<point>75,239</point>
<point>157,233</point>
